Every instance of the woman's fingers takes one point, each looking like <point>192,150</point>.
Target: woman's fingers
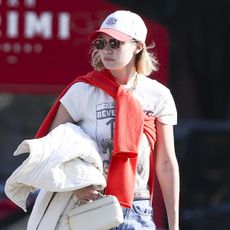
<point>86,194</point>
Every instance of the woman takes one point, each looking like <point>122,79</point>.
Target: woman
<point>119,50</point>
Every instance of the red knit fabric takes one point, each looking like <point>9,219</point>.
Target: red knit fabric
<point>130,123</point>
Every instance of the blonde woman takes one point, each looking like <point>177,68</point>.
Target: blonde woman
<point>130,116</point>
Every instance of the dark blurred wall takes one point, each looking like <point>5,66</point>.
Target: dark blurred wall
<point>199,53</point>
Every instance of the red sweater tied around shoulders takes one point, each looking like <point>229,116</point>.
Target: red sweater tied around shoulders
<point>130,123</point>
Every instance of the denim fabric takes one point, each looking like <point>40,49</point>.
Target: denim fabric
<point>139,217</point>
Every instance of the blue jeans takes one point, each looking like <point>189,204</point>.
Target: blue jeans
<point>139,217</point>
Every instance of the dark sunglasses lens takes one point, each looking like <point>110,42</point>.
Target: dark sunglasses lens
<point>114,43</point>
<point>99,44</point>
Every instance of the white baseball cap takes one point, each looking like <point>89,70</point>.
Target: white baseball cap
<point>123,25</point>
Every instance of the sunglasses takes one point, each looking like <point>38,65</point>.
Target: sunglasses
<point>100,43</point>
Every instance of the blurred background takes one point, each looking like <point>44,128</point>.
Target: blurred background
<point>43,46</point>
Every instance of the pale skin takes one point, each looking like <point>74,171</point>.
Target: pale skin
<point>168,172</point>
<point>121,63</point>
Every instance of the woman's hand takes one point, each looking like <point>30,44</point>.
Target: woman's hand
<point>84,195</point>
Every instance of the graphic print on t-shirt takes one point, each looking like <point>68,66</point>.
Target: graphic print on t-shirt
<point>105,116</point>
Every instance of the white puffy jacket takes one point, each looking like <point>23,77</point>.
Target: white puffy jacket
<point>64,160</point>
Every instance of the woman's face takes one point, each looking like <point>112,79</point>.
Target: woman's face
<point>118,58</point>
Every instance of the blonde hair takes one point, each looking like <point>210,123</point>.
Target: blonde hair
<point>145,62</point>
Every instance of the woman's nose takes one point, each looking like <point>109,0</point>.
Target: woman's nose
<point>108,47</point>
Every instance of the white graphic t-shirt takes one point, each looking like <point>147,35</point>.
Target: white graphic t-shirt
<point>94,111</point>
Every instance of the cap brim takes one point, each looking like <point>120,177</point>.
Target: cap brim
<point>113,33</point>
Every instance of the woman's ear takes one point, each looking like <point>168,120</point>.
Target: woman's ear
<point>139,47</point>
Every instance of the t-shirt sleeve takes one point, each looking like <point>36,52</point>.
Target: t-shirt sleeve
<point>166,111</point>
<point>71,101</point>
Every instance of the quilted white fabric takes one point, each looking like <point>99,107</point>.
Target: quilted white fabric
<point>64,160</point>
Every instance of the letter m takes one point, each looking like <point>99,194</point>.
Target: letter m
<point>38,25</point>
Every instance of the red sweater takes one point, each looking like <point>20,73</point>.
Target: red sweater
<point>127,135</point>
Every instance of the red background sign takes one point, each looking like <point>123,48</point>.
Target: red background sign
<point>44,46</point>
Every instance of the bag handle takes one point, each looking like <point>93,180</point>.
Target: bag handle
<point>100,195</point>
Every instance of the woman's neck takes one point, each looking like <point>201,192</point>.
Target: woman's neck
<point>123,76</point>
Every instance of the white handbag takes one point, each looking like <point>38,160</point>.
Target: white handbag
<point>101,214</point>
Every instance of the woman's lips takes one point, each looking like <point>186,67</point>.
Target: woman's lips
<point>108,59</point>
